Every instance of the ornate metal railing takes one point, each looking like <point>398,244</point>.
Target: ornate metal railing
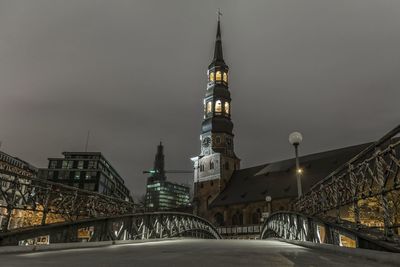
<point>126,227</point>
<point>365,190</point>
<point>296,226</point>
<point>239,230</point>
<point>45,202</point>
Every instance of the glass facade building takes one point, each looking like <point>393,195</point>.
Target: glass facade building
<point>86,170</point>
<point>164,195</point>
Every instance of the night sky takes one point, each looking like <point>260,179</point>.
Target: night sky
<point>134,73</point>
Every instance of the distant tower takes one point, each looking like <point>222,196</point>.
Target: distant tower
<point>161,194</point>
<point>158,172</point>
<point>217,160</point>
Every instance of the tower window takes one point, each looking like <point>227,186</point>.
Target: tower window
<point>201,167</point>
<point>209,107</point>
<point>226,107</point>
<point>225,77</point>
<point>211,77</point>
<point>211,165</point>
<point>218,106</point>
<point>218,76</point>
<point>226,165</point>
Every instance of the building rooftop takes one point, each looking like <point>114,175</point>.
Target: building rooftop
<point>278,179</point>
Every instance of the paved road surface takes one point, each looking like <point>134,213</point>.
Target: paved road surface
<point>187,252</point>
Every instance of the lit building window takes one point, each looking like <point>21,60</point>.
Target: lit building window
<point>218,106</point>
<point>227,107</point>
<point>218,76</point>
<point>211,76</point>
<point>209,107</point>
<point>225,77</point>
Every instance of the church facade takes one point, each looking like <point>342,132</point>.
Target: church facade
<point>226,195</point>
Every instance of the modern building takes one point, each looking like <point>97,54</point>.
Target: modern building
<point>13,170</point>
<point>86,170</point>
<point>240,198</point>
<point>162,194</point>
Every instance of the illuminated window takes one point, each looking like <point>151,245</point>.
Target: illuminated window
<point>218,106</point>
<point>225,77</point>
<point>227,107</point>
<point>218,76</point>
<point>209,107</point>
<point>211,76</point>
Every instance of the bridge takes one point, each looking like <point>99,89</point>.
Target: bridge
<point>356,206</point>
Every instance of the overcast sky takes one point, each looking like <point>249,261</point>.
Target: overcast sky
<point>134,73</point>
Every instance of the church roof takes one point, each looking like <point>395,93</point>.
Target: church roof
<point>278,179</point>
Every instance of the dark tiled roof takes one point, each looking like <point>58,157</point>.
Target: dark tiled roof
<point>278,179</point>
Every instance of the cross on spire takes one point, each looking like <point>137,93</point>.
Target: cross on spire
<point>219,14</point>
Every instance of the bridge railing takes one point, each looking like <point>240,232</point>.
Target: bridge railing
<point>39,201</point>
<point>296,226</point>
<point>239,230</point>
<point>126,227</point>
<point>365,190</point>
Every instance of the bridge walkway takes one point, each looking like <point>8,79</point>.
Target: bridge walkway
<point>191,252</point>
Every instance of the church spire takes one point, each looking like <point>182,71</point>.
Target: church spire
<point>218,55</point>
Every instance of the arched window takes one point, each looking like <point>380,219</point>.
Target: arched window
<point>241,219</point>
<point>237,218</point>
<point>219,219</point>
<point>218,76</point>
<point>256,218</point>
<point>226,107</point>
<point>225,77</point>
<point>211,165</point>
<point>218,106</point>
<point>211,77</point>
<point>209,107</point>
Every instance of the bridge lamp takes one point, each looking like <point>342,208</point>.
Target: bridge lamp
<point>295,139</point>
<point>268,199</point>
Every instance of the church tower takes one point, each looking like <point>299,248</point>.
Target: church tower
<point>217,160</point>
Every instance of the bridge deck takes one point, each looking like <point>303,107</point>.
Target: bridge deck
<point>188,252</point>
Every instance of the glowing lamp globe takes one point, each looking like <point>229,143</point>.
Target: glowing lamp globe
<point>295,138</point>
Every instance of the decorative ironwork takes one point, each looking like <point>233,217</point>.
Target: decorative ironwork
<point>365,190</point>
<point>126,227</point>
<point>45,197</point>
<point>296,226</point>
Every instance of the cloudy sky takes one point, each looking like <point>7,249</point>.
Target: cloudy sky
<point>134,73</point>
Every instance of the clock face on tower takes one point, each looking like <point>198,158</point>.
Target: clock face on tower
<point>206,142</point>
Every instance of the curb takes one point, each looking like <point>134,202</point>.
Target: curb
<point>374,255</point>
<point>77,245</point>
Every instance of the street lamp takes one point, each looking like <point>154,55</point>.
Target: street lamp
<point>295,139</point>
<point>268,199</point>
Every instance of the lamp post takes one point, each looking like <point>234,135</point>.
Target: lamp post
<point>268,199</point>
<point>295,139</point>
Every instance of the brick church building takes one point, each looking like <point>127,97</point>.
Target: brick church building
<point>227,195</point>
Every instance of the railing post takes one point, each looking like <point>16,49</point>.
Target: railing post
<point>337,198</point>
<point>388,231</point>
<point>354,191</point>
<point>46,205</point>
<point>10,206</point>
<point>7,219</point>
